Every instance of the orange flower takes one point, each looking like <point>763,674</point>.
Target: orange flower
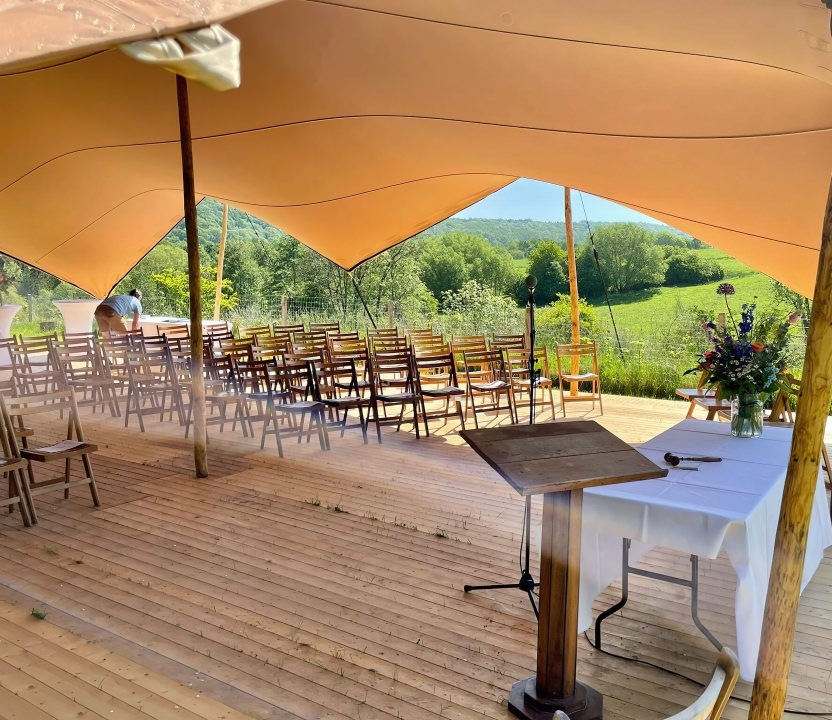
<point>757,346</point>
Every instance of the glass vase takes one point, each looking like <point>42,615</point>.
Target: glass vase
<point>747,416</point>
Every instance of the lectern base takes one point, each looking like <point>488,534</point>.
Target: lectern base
<point>585,704</point>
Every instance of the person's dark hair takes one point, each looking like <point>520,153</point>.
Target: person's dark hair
<point>135,292</point>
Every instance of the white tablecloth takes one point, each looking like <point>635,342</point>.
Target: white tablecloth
<point>733,505</point>
<point>151,323</point>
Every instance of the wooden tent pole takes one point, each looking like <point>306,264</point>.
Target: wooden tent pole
<point>194,281</point>
<point>771,680</point>
<point>220,260</point>
<point>573,285</point>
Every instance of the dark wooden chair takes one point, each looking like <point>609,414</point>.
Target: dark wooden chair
<point>335,384</point>
<point>391,371</point>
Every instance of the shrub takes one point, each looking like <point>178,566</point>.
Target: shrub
<point>554,322</point>
<point>686,267</point>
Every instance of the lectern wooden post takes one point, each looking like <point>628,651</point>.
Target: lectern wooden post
<point>558,460</point>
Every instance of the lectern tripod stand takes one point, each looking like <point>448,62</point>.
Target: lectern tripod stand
<point>526,582</point>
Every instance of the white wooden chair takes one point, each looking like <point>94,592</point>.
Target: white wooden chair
<point>710,704</point>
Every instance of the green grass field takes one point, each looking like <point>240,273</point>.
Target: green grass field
<point>659,307</point>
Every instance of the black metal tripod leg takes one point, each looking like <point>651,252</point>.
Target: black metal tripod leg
<point>508,586</point>
<point>625,591</point>
<point>694,602</point>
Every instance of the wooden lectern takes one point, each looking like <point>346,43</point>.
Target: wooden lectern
<point>558,460</point>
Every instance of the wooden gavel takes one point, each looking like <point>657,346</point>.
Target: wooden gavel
<point>674,460</point>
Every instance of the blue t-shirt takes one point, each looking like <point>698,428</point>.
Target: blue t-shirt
<point>123,304</point>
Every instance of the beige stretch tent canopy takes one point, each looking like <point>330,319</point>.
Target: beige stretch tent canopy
<point>361,122</point>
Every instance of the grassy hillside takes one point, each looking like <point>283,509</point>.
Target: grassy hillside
<point>659,307</point>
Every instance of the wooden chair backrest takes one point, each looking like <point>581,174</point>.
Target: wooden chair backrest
<point>49,402</point>
<point>392,362</point>
<point>437,362</point>
<point>270,347</point>
<point>421,332</point>
<point>237,349</point>
<point>325,327</point>
<point>490,361</point>
<point>433,346</point>
<point>389,343</point>
<point>255,376</point>
<point>180,330</point>
<point>468,343</point>
<point>569,351</point>
<point>253,332</point>
<point>340,337</point>
<point>278,329</point>
<point>309,339</point>
<point>355,349</point>
<point>508,341</point>
<point>515,358</point>
<point>340,370</point>
<point>383,332</point>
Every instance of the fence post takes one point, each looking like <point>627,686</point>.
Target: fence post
<point>528,332</point>
<point>390,318</point>
<point>720,321</point>
<point>284,310</point>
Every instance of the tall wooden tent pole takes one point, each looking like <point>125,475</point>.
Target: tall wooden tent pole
<point>771,680</point>
<point>573,284</point>
<point>220,260</point>
<point>194,281</point>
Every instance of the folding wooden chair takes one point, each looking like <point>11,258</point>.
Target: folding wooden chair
<point>358,352</point>
<point>221,390</point>
<point>13,466</point>
<point>171,330</point>
<point>151,379</point>
<point>700,391</point>
<point>291,375</point>
<point>389,371</point>
<point>517,362</point>
<point>335,385</point>
<point>592,377</point>
<point>486,375</point>
<point>63,402</point>
<point>460,344</point>
<point>436,379</point>
<point>33,366</point>
<point>83,370</point>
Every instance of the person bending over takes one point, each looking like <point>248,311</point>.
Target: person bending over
<point>110,313</point>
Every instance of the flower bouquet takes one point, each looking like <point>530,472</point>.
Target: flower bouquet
<point>745,366</point>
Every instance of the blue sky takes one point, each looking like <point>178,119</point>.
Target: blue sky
<point>534,200</point>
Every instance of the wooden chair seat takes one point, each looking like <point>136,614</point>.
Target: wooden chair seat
<point>59,451</point>
<point>394,398</point>
<point>490,386</point>
<point>713,406</point>
<point>579,378</point>
<point>442,392</point>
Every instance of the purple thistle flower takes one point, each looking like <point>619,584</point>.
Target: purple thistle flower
<point>725,289</point>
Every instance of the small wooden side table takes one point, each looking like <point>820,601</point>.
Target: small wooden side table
<point>558,460</point>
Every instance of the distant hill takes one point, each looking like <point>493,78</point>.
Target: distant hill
<point>504,232</point>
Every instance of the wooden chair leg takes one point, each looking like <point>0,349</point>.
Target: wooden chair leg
<point>93,487</point>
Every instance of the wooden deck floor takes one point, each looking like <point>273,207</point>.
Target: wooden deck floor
<point>327,585</point>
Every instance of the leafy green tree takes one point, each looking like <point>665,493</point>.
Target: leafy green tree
<point>449,261</point>
<point>687,267</point>
<point>171,289</point>
<point>548,263</point>
<point>164,257</point>
<point>555,320</point>
<point>668,239</point>
<point>628,259</point>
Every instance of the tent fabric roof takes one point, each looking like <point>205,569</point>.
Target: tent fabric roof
<point>362,122</point>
